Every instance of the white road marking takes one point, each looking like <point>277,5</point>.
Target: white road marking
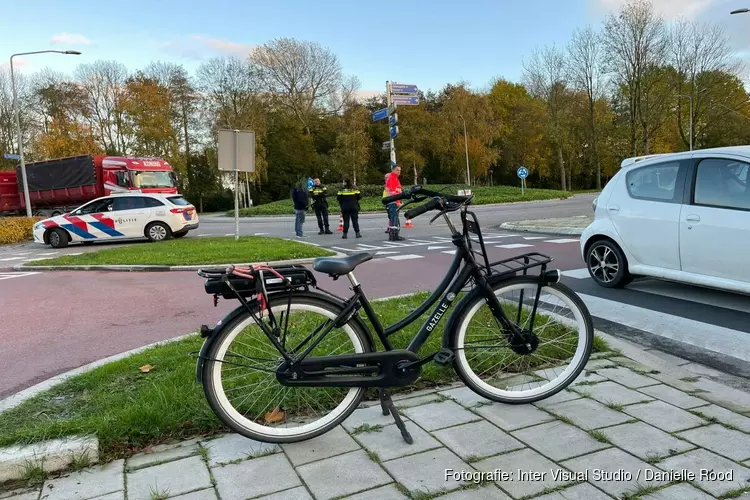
<point>514,245</point>
<point>449,252</point>
<point>436,248</point>
<point>260,234</point>
<point>534,237</point>
<point>344,249</point>
<point>76,253</point>
<point>563,240</point>
<point>48,253</point>
<point>11,258</point>
<point>7,276</point>
<point>385,253</point>
<point>487,237</point>
<point>578,274</point>
<point>204,235</point>
<point>704,335</point>
<point>229,234</point>
<point>367,247</point>
<point>407,256</point>
<point>22,253</point>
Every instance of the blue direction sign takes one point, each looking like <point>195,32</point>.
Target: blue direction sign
<point>394,132</point>
<point>393,120</point>
<point>522,172</point>
<point>9,156</point>
<point>380,114</point>
<point>310,183</point>
<point>405,100</point>
<point>403,88</point>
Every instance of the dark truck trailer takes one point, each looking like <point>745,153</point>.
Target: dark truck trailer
<point>55,186</point>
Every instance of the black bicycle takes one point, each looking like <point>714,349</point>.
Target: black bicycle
<point>292,361</point>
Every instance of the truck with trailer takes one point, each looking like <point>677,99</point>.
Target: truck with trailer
<point>58,186</point>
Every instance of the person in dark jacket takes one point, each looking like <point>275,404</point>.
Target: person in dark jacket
<point>301,204</point>
<point>348,199</point>
<point>320,205</point>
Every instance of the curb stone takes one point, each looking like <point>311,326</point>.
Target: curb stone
<point>539,229</point>
<point>158,268</point>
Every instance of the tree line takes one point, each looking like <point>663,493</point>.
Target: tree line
<point>624,88</point>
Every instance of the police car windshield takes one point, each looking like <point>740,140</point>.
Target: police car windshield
<point>150,179</point>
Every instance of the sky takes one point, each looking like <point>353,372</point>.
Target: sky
<point>424,42</point>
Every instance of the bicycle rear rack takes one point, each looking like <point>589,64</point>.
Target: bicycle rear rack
<point>513,265</point>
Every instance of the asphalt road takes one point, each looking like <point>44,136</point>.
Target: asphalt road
<point>372,228</point>
<point>56,321</point>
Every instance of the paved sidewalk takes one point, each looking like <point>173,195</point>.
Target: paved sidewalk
<point>563,225</point>
<point>624,429</point>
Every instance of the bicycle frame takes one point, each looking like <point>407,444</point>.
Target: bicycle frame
<point>454,281</point>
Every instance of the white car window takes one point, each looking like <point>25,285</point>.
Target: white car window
<point>104,205</point>
<point>129,203</point>
<point>722,183</point>
<point>654,182</point>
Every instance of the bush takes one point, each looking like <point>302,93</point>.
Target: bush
<point>16,229</point>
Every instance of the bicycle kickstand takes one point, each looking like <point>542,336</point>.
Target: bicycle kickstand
<point>386,404</point>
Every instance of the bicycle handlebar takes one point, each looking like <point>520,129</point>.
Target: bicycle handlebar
<point>417,211</point>
<point>419,190</point>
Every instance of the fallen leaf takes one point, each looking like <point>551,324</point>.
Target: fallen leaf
<point>146,368</point>
<point>276,415</point>
<point>148,449</point>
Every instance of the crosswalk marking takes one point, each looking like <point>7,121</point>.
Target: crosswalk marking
<point>7,276</point>
<point>436,248</point>
<point>385,253</point>
<point>577,273</point>
<point>514,245</point>
<point>407,256</point>
<point>714,338</point>
<point>449,252</point>
<point>366,247</point>
<point>563,240</point>
<point>534,237</point>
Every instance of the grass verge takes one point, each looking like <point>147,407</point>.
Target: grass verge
<point>193,251</point>
<point>153,396</point>
<point>483,195</point>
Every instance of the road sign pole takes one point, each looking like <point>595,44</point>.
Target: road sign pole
<point>236,187</point>
<point>393,142</point>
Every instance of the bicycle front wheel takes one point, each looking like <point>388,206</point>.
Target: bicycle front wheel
<point>562,336</point>
<point>240,382</point>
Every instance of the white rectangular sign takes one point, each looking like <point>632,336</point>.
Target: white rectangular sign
<point>240,153</point>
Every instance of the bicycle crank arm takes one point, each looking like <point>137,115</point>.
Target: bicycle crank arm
<point>371,369</point>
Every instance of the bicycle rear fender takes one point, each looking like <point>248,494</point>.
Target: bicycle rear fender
<point>211,334</point>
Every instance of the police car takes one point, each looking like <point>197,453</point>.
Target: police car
<point>118,217</point>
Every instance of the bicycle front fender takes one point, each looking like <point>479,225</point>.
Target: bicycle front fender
<point>462,308</point>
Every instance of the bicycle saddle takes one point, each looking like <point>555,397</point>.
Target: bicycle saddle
<point>340,265</point>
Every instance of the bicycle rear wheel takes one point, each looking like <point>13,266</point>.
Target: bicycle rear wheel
<point>487,362</point>
<point>239,377</point>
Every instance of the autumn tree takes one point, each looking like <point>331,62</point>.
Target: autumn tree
<point>145,109</point>
<point>545,77</point>
<point>104,85</point>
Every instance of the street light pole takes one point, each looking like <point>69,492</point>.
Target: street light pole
<point>16,111</point>
<point>466,149</point>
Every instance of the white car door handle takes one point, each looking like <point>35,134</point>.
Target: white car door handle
<point>692,218</point>
<point>614,208</point>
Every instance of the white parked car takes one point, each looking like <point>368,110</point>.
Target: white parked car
<point>118,217</point>
<point>681,217</point>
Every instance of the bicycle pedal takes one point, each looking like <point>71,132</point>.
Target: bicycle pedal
<point>444,357</point>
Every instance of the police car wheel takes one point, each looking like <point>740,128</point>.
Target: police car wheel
<point>158,232</point>
<point>58,238</point>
